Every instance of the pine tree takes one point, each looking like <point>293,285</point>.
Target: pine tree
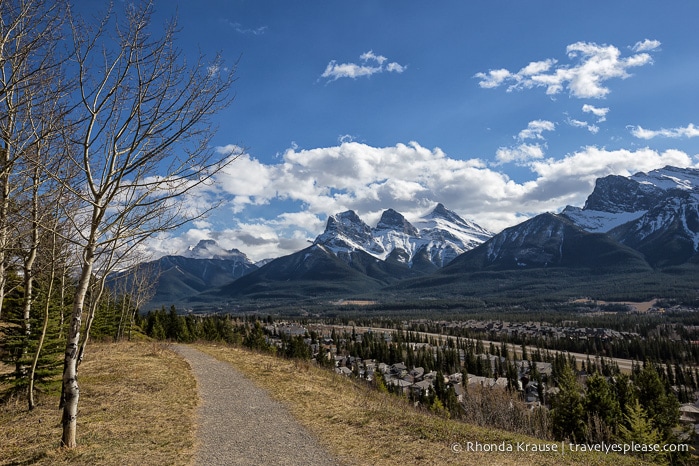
<point>600,400</point>
<point>379,382</point>
<point>568,410</point>
<point>637,428</point>
<point>662,407</point>
<point>624,390</point>
<point>20,350</point>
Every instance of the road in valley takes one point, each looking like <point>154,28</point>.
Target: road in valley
<point>625,365</point>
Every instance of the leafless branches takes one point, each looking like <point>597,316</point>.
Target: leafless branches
<point>140,137</point>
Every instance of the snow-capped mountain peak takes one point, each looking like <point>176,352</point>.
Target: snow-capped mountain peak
<point>654,212</point>
<point>617,200</point>
<point>439,236</point>
<point>668,177</point>
<point>392,220</point>
<point>346,232</point>
<point>444,220</point>
<point>210,249</point>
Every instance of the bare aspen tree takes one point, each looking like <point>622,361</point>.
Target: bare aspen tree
<point>30,252</point>
<point>142,131</point>
<point>142,290</point>
<point>47,225</point>
<point>41,117</point>
<point>54,261</point>
<point>116,254</point>
<point>29,32</point>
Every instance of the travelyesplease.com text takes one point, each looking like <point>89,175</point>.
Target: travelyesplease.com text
<point>562,447</point>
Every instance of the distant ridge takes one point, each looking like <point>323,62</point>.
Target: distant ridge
<point>635,236</point>
<point>549,240</point>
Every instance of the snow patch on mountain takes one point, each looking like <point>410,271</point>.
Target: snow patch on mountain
<point>670,178</point>
<point>596,221</point>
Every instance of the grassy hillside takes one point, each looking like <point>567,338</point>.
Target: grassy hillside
<point>148,417</point>
<point>137,406</point>
<point>361,426</point>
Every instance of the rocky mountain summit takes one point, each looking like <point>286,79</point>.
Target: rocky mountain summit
<point>655,213</point>
<point>434,240</point>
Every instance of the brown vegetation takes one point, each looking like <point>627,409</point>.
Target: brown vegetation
<point>145,418</point>
<point>148,418</point>
<point>362,426</point>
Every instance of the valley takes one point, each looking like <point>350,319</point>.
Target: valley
<point>589,314</point>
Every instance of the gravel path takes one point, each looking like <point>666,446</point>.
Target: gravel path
<point>238,422</point>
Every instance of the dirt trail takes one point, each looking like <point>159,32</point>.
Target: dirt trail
<point>238,422</point>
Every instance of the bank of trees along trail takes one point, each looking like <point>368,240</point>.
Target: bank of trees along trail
<point>103,127</point>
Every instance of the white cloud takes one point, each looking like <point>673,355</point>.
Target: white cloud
<point>246,178</point>
<point>336,71</point>
<point>594,129</point>
<point>371,64</point>
<point>690,131</point>
<point>201,224</point>
<point>535,129</point>
<point>308,185</point>
<point>600,113</point>
<point>646,45</point>
<point>395,67</point>
<point>521,153</point>
<point>537,67</point>
<point>494,78</point>
<point>524,152</point>
<point>593,65</point>
<point>366,56</point>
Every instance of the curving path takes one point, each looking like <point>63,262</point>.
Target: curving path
<point>238,422</point>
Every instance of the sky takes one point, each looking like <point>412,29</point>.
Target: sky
<point>500,110</point>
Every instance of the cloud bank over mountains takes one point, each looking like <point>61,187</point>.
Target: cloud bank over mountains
<point>407,177</point>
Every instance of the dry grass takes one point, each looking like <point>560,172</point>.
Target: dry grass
<point>137,406</point>
<point>361,426</point>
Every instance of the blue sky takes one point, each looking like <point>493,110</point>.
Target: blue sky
<point>500,110</point>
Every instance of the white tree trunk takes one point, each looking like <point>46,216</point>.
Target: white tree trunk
<point>71,390</point>
<point>4,207</point>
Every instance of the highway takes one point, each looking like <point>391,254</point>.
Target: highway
<point>625,365</point>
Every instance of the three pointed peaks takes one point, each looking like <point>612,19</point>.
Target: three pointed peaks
<point>392,220</point>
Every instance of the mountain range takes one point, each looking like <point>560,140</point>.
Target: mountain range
<point>178,277</point>
<point>631,230</point>
<point>432,242</point>
<point>351,257</point>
